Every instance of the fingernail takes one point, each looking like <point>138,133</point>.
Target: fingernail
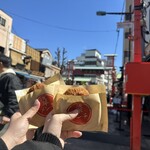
<point>75,111</point>
<point>36,102</point>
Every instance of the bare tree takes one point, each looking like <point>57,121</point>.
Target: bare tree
<point>58,57</point>
<point>61,59</point>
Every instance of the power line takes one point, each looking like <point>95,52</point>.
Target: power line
<point>58,27</point>
<point>13,29</point>
<point>118,30</point>
<point>116,46</point>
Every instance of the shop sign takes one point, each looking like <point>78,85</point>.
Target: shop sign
<point>124,25</point>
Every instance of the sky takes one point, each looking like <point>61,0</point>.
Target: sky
<point>69,24</point>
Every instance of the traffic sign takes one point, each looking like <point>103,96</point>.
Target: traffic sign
<point>125,24</point>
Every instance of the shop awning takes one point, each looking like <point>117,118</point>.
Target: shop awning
<point>25,74</point>
<point>82,79</point>
<point>29,76</point>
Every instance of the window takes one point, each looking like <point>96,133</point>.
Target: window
<point>2,21</point>
<point>90,63</point>
<point>128,17</point>
<point>127,34</point>
<point>126,53</point>
<point>1,50</point>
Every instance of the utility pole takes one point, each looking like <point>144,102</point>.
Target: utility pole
<point>135,140</point>
<point>136,90</point>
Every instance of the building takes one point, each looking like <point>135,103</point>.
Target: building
<point>146,31</point>
<point>5,30</point>
<point>128,32</point>
<point>28,62</point>
<point>89,68</point>
<point>17,51</point>
<point>46,63</point>
<point>128,47</point>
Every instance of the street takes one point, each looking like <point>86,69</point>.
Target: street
<point>116,138</point>
<point>98,141</point>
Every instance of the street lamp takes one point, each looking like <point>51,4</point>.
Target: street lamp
<point>103,13</point>
<point>136,121</point>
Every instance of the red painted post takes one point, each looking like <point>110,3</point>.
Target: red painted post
<point>136,123</point>
<point>137,33</point>
<point>135,141</point>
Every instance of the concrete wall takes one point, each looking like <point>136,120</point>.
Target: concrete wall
<point>17,43</point>
<point>5,31</point>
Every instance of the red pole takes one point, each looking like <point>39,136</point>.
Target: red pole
<point>136,123</point>
<point>135,137</point>
<point>137,33</point>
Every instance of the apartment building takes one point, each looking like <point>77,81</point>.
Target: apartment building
<point>90,68</point>
<point>27,61</point>
<point>17,51</point>
<point>145,32</point>
<point>5,31</point>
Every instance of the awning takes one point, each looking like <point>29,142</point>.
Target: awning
<point>36,77</point>
<point>29,76</point>
<point>25,74</point>
<point>82,79</point>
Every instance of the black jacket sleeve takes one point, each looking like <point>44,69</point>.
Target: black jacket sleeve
<point>47,137</point>
<point>45,142</point>
<point>9,99</point>
<point>3,145</point>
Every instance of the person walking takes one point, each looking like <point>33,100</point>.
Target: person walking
<point>9,82</point>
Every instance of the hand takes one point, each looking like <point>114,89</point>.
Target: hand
<point>4,120</point>
<point>53,125</point>
<point>30,134</point>
<point>16,132</point>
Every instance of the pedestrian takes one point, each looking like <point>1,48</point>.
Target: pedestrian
<point>52,138</point>
<point>117,100</point>
<point>9,82</point>
<point>117,105</point>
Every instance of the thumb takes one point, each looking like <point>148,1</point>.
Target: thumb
<point>16,116</point>
<point>33,110</point>
<point>69,116</point>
